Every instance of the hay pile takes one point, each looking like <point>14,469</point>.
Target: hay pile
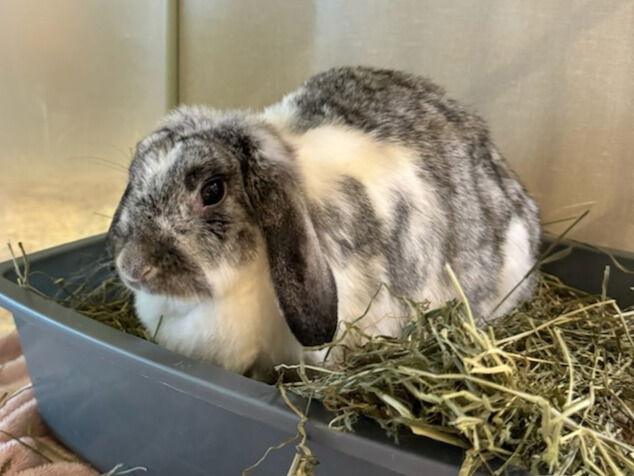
<point>549,387</point>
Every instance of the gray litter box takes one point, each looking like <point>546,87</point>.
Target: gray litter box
<point>114,398</point>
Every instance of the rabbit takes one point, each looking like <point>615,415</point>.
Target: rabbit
<point>253,235</point>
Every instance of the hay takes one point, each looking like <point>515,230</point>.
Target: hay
<point>109,302</point>
<point>548,387</point>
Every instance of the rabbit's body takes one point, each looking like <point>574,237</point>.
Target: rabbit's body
<point>365,177</point>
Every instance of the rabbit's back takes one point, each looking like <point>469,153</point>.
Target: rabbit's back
<point>401,180</point>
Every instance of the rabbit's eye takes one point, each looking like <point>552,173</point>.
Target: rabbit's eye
<point>213,192</point>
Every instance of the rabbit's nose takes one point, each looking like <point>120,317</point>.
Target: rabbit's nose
<point>133,271</point>
<point>144,274</point>
<point>137,276</point>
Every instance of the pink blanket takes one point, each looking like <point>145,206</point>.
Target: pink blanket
<point>26,446</point>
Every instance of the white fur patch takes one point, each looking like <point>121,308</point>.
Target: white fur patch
<point>283,112</point>
<point>240,328</point>
<point>517,262</point>
<point>156,166</point>
<point>328,153</point>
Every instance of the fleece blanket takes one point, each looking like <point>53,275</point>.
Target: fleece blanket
<point>26,445</point>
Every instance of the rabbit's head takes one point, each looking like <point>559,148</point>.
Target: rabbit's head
<point>206,193</point>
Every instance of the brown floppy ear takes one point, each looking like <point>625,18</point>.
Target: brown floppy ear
<point>302,279</point>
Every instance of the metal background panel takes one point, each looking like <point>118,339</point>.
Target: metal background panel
<point>80,83</point>
<point>244,53</point>
<point>553,79</point>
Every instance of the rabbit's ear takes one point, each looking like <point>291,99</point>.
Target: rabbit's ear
<point>302,279</point>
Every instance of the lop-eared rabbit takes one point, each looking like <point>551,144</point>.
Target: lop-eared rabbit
<point>252,235</point>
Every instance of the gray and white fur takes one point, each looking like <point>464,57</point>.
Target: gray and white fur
<point>361,177</point>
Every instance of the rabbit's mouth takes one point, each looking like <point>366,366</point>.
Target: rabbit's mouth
<point>184,289</point>
<point>152,281</point>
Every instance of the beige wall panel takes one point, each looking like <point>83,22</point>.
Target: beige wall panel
<point>555,80</point>
<point>80,82</point>
<point>244,53</point>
